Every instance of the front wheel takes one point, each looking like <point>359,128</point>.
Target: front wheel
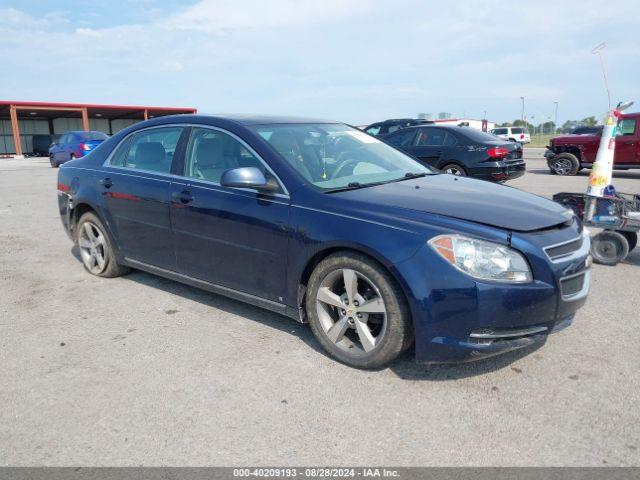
<point>454,169</point>
<point>609,248</point>
<point>53,162</point>
<point>564,164</point>
<point>357,311</point>
<point>96,248</point>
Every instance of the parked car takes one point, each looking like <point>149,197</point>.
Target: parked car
<point>461,151</point>
<point>568,154</point>
<point>41,144</point>
<point>391,125</point>
<point>72,145</point>
<point>328,225</point>
<point>512,134</point>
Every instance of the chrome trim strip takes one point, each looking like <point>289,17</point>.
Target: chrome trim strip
<point>584,249</point>
<point>511,334</point>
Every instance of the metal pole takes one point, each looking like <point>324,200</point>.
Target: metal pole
<point>522,116</point>
<point>597,51</point>
<point>555,118</point>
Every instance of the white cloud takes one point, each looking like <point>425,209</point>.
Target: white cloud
<point>215,15</point>
<point>343,59</point>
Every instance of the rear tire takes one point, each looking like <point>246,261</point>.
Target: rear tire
<point>96,248</point>
<point>609,247</point>
<point>357,311</point>
<point>564,164</point>
<point>632,238</point>
<point>454,169</point>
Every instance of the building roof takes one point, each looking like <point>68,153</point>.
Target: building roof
<point>59,109</point>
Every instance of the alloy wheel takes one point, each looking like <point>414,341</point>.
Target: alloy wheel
<point>93,246</point>
<point>453,170</point>
<point>351,311</point>
<point>562,166</point>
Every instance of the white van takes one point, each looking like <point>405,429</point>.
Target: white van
<point>512,134</point>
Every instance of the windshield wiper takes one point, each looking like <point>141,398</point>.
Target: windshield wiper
<point>350,186</point>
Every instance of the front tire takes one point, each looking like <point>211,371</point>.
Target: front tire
<point>565,164</point>
<point>96,248</point>
<point>53,162</point>
<point>357,311</point>
<point>609,247</point>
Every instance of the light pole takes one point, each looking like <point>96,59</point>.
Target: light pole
<point>555,118</point>
<point>522,116</point>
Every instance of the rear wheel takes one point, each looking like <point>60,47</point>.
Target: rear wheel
<point>609,247</point>
<point>454,169</point>
<point>632,238</point>
<point>96,248</point>
<point>357,311</point>
<point>564,164</point>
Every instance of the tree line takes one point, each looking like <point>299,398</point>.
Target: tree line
<point>550,127</point>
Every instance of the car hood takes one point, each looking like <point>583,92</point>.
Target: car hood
<point>574,139</point>
<point>464,198</point>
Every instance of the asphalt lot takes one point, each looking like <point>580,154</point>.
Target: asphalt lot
<point>144,371</point>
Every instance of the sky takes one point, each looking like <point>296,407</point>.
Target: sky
<point>357,61</point>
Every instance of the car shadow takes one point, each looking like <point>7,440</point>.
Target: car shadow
<point>404,367</point>
<point>407,369</point>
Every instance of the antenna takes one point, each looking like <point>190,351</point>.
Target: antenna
<point>597,50</point>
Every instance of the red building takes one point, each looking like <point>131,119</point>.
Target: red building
<point>21,121</point>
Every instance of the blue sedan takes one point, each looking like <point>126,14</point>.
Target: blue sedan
<point>328,225</point>
<point>72,145</point>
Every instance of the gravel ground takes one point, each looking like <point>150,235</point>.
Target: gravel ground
<point>144,371</point>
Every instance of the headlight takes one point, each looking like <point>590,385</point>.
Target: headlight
<point>482,260</point>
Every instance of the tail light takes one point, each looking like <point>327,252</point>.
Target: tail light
<point>85,147</point>
<point>498,152</point>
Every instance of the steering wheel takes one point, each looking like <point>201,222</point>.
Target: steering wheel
<point>346,163</point>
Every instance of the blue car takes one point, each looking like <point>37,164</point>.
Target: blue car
<point>328,225</point>
<point>72,145</point>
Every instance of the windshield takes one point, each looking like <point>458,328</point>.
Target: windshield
<point>334,156</point>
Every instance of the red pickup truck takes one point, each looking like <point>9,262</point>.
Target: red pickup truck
<point>568,154</point>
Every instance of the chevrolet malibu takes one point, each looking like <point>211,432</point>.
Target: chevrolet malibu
<point>328,225</point>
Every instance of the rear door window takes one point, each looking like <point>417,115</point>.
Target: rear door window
<point>431,137</point>
<point>153,150</point>
<point>516,130</point>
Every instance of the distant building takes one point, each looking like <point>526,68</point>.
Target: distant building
<point>473,123</point>
<point>444,116</point>
<point>21,121</point>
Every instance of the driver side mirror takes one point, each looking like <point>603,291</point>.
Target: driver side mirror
<point>248,177</point>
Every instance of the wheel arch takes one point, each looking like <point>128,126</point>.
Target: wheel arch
<point>328,250</point>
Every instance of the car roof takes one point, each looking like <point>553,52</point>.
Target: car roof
<point>249,119</point>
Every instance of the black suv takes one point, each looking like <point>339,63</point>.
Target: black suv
<point>391,125</point>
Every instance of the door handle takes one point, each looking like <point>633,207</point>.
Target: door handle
<point>182,197</point>
<point>439,152</point>
<point>106,182</point>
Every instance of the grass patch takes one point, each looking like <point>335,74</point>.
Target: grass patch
<point>540,140</point>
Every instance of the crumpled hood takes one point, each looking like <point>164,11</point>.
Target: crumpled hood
<point>464,198</point>
<point>574,139</point>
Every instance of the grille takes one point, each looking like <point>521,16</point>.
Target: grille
<point>565,249</point>
<point>572,285</point>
